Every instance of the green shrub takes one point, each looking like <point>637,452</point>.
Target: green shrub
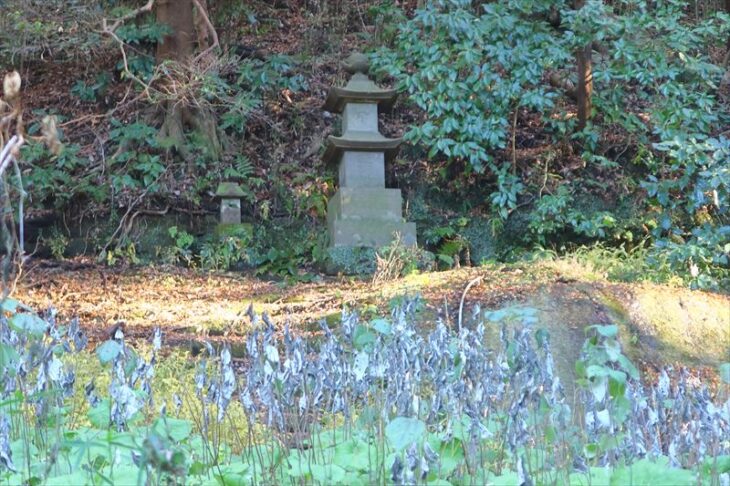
<point>350,260</point>
<point>473,70</point>
<point>691,193</point>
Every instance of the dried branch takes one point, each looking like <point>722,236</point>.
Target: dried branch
<point>13,257</point>
<point>110,30</point>
<point>124,224</point>
<point>463,298</point>
<point>147,88</point>
<point>204,15</point>
<point>9,151</point>
<point>131,15</point>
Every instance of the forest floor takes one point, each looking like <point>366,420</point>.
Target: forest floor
<point>660,324</point>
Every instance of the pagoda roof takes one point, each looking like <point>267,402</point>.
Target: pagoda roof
<point>360,89</point>
<point>358,141</point>
<point>229,190</point>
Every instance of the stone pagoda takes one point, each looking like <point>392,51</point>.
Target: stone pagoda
<point>230,195</point>
<point>363,212</point>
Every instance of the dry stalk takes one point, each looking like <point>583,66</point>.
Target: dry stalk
<point>391,265</point>
<point>11,139</point>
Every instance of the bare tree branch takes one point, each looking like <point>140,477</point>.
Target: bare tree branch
<point>144,9</point>
<point>204,14</point>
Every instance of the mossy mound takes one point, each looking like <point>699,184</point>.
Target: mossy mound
<point>677,324</point>
<point>659,325</point>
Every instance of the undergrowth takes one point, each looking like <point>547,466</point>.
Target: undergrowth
<point>376,402</point>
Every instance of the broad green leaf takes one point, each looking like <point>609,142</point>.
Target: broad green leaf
<point>597,371</point>
<point>460,428</point>
<point>403,431</point>
<point>382,326</point>
<point>613,349</point>
<point>23,455</point>
<point>358,479</point>
<point>451,456</point>
<point>590,450</point>
<point>126,474</point>
<point>362,337</point>
<point>355,455</point>
<point>507,478</point>
<point>177,429</point>
<point>234,475</point>
<point>9,305</point>
<point>9,358</point>
<point>108,351</point>
<point>608,331</point>
<point>725,373</point>
<point>99,416</point>
<point>716,465</point>
<point>28,324</point>
<point>599,387</point>
<point>595,476</point>
<point>617,376</point>
<point>78,477</point>
<point>628,366</point>
<point>327,474</point>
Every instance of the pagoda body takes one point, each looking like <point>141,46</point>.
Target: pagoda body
<point>363,212</point>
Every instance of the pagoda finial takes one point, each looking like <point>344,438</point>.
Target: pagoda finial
<point>357,62</point>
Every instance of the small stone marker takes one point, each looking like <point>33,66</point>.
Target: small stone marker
<point>230,194</point>
<point>363,212</point>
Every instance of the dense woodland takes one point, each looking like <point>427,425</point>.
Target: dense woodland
<point>531,127</point>
<point>542,138</point>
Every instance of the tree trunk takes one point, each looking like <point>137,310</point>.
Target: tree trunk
<point>203,39</point>
<point>727,9</point>
<point>584,87</point>
<point>179,44</point>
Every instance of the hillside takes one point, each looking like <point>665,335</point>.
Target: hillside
<point>531,287</point>
<point>113,178</point>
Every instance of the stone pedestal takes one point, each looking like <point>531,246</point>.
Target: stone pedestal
<point>363,212</point>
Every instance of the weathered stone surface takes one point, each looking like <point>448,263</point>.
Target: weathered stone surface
<point>230,211</point>
<point>362,169</point>
<point>357,62</point>
<point>360,117</point>
<point>366,203</point>
<point>359,141</point>
<point>229,189</point>
<point>368,232</point>
<point>363,212</point>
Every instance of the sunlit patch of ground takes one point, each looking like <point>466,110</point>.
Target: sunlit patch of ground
<point>660,324</point>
